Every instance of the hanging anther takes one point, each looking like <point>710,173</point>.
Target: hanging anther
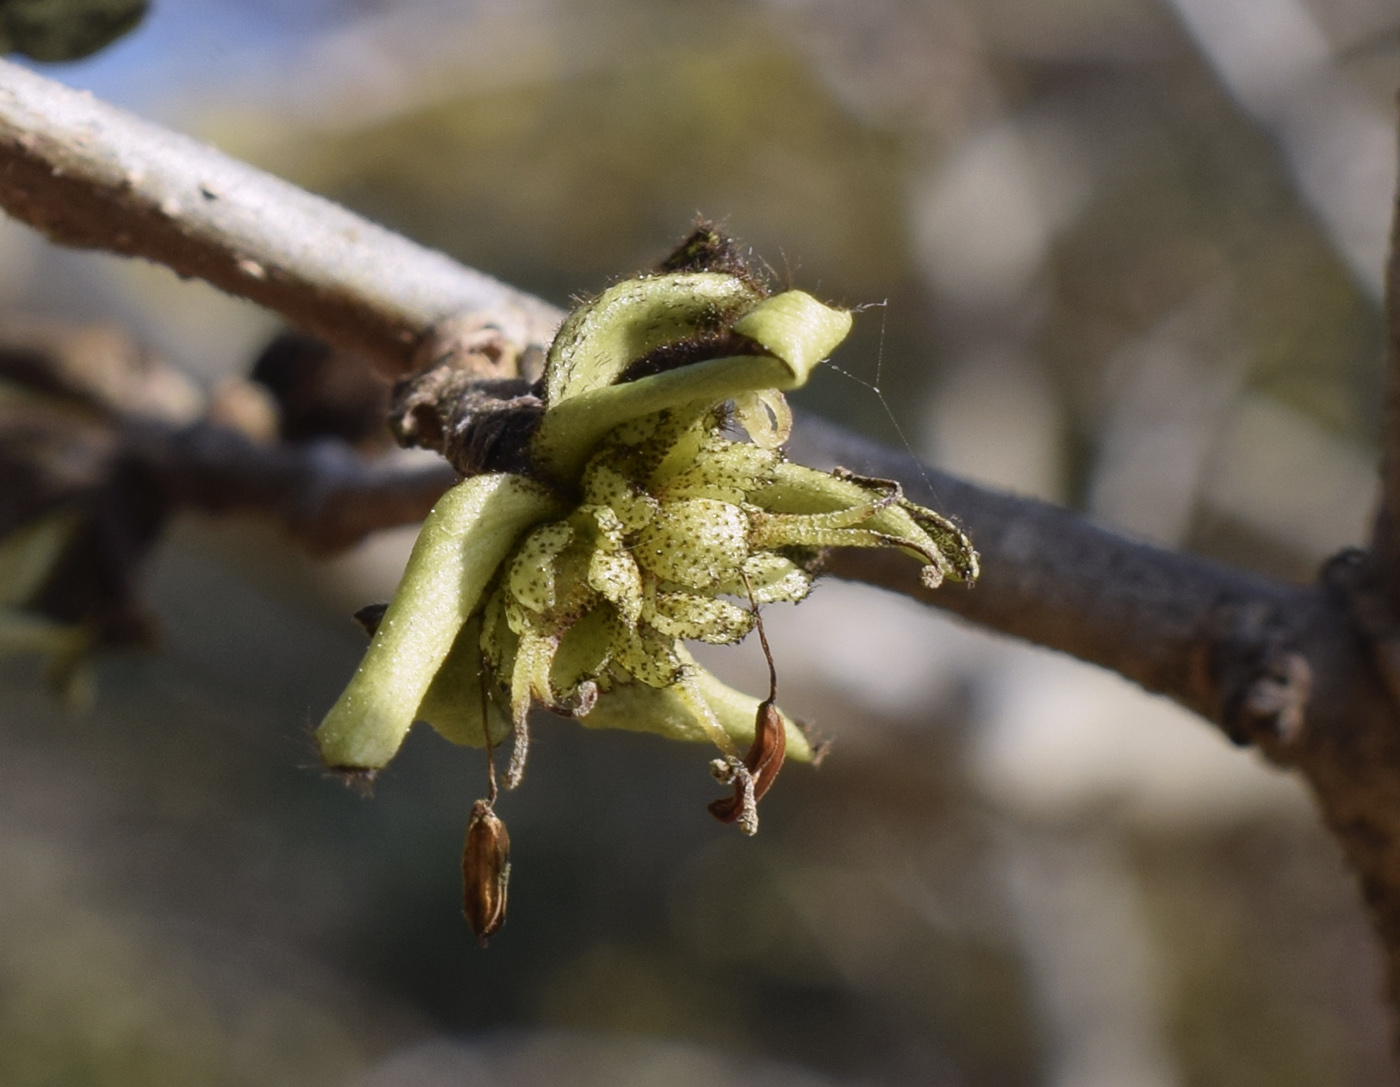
<point>485,871</point>
<point>755,776</point>
<point>486,854</point>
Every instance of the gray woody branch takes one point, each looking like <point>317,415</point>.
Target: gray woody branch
<point>92,176</point>
<point>1309,673</point>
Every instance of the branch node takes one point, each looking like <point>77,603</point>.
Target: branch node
<point>1277,700</point>
<point>489,346</point>
<point>473,400</point>
<point>1263,679</point>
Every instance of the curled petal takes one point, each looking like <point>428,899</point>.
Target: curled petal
<point>647,656</point>
<point>605,486</point>
<point>722,470</point>
<point>771,578</point>
<point>584,651</point>
<point>453,704</point>
<point>765,414</point>
<point>694,542</point>
<point>796,490</point>
<point>463,541</point>
<point>797,329</point>
<point>531,576</point>
<point>704,618</point>
<point>600,339</point>
<point>615,577</point>
<point>529,678</point>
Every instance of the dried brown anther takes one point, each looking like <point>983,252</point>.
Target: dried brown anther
<point>755,776</point>
<point>763,761</point>
<point>485,871</point>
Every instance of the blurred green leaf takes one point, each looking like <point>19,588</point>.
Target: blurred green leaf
<point>55,30</point>
<point>28,554</point>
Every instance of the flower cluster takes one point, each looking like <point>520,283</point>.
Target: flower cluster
<point>644,521</point>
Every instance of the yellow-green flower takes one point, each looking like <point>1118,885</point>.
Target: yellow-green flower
<point>643,522</point>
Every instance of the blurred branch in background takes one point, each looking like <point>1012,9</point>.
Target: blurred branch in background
<point>91,426</point>
<point>1278,65</point>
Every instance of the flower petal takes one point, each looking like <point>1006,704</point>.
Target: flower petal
<point>637,707</point>
<point>600,339</point>
<point>463,541</point>
<point>454,701</point>
<point>795,327</point>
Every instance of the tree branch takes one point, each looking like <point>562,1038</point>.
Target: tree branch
<point>1304,672</point>
<point>1053,578</point>
<point>88,174</point>
<point>92,176</point>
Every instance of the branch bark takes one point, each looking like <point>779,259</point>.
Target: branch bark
<point>1303,672</point>
<point>95,177</point>
<point>1309,673</point>
<point>1054,578</point>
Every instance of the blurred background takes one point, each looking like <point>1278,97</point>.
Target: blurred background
<point>1121,254</point>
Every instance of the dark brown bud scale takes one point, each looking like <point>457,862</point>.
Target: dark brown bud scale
<point>485,871</point>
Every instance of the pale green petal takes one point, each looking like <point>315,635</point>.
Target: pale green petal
<point>649,657</point>
<point>531,575</point>
<point>663,711</point>
<point>453,703</point>
<point>600,339</point>
<point>703,618</point>
<point>584,651</point>
<point>797,328</point>
<point>771,578</point>
<point>765,414</point>
<point>962,562</point>
<point>529,675</point>
<point>615,576</point>
<point>466,537</point>
<point>605,486</point>
<point>569,433</point>
<point>795,489</point>
<point>726,472</point>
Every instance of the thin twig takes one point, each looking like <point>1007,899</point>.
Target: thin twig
<point>763,641</point>
<point>327,496</point>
